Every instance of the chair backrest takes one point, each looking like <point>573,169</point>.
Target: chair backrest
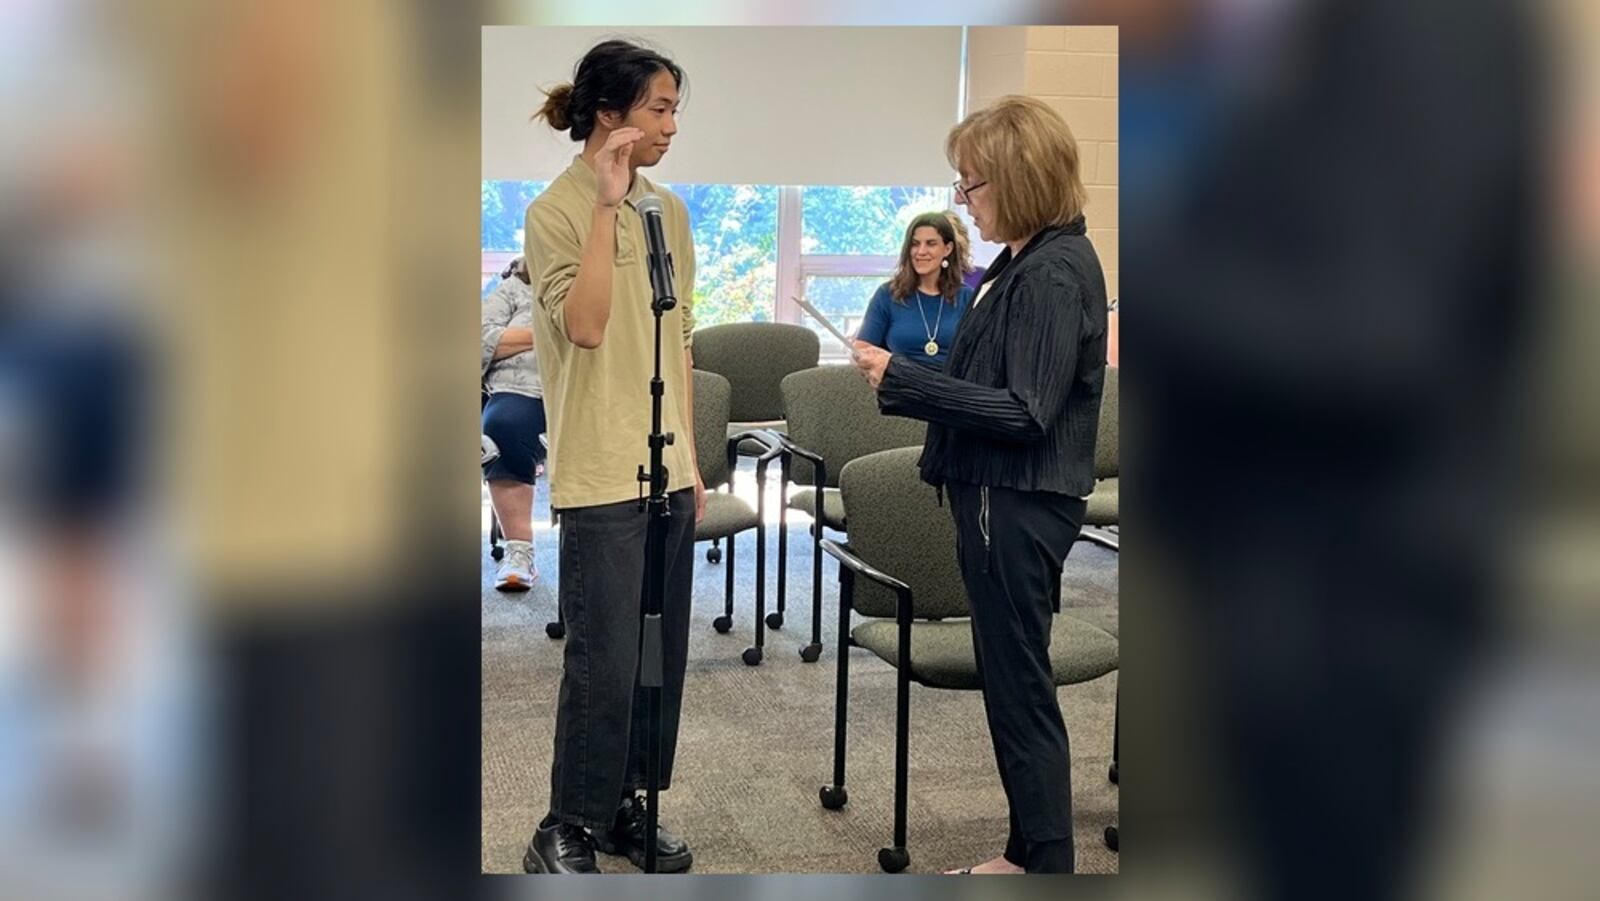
<point>833,412</point>
<point>711,398</point>
<point>754,357</point>
<point>897,526</point>
<point>1105,443</point>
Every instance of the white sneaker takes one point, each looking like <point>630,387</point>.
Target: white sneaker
<point>516,572</point>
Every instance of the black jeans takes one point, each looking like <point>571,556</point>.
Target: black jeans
<point>601,722</point>
<point>1011,546</point>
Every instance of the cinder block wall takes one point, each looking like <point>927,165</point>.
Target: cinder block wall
<point>1074,69</point>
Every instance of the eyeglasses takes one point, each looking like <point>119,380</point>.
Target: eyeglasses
<point>963,193</point>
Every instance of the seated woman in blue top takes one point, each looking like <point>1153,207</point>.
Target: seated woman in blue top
<point>916,311</point>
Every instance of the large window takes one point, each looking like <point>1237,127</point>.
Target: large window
<point>843,298</point>
<point>735,250</point>
<point>757,246</point>
<point>505,203</point>
<point>849,244</point>
<point>735,243</point>
<point>859,220</point>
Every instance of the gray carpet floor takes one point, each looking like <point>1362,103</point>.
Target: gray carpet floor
<point>756,742</point>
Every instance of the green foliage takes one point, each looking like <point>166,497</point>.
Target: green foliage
<point>863,220</point>
<point>505,204</point>
<point>736,251</point>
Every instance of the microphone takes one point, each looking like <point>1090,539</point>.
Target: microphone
<point>650,208</point>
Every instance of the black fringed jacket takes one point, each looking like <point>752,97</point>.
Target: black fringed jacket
<point>1018,404</point>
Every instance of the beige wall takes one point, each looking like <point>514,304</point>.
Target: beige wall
<point>862,88</point>
<point>1074,69</point>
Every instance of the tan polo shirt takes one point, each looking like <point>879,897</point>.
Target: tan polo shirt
<point>597,402</point>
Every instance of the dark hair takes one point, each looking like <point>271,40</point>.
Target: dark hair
<point>519,268</point>
<point>905,278</point>
<point>614,75</point>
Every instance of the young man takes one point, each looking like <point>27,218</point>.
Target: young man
<point>594,332</point>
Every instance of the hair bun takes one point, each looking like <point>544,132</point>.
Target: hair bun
<point>557,107</point>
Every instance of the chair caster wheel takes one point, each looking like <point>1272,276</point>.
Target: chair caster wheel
<point>811,653</point>
<point>752,656</point>
<point>722,624</point>
<point>555,630</point>
<point>1111,837</point>
<point>893,860</point>
<point>834,797</point>
<point>1114,775</point>
<point>774,621</point>
<point>713,555</point>
<point>497,553</point>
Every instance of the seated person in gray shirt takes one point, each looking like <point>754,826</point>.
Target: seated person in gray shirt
<point>513,417</point>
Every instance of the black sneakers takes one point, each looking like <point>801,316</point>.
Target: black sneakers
<point>627,838</point>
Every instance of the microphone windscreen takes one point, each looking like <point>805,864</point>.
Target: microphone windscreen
<point>649,203</point>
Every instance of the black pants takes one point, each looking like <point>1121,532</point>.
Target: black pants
<point>1011,546</point>
<point>601,721</point>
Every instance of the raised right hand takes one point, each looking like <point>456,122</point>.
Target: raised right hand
<point>611,169</point>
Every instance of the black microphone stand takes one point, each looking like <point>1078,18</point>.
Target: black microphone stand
<point>655,573</point>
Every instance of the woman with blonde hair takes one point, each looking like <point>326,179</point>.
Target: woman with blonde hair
<point>917,310</point>
<point>1011,434</point>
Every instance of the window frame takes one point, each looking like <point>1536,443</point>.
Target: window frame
<point>793,271</point>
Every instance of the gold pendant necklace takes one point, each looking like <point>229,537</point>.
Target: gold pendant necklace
<point>932,347</point>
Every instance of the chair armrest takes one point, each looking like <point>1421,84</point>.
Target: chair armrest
<point>763,437</point>
<point>767,438</point>
<point>789,445</point>
<point>790,448</point>
<point>860,567</point>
